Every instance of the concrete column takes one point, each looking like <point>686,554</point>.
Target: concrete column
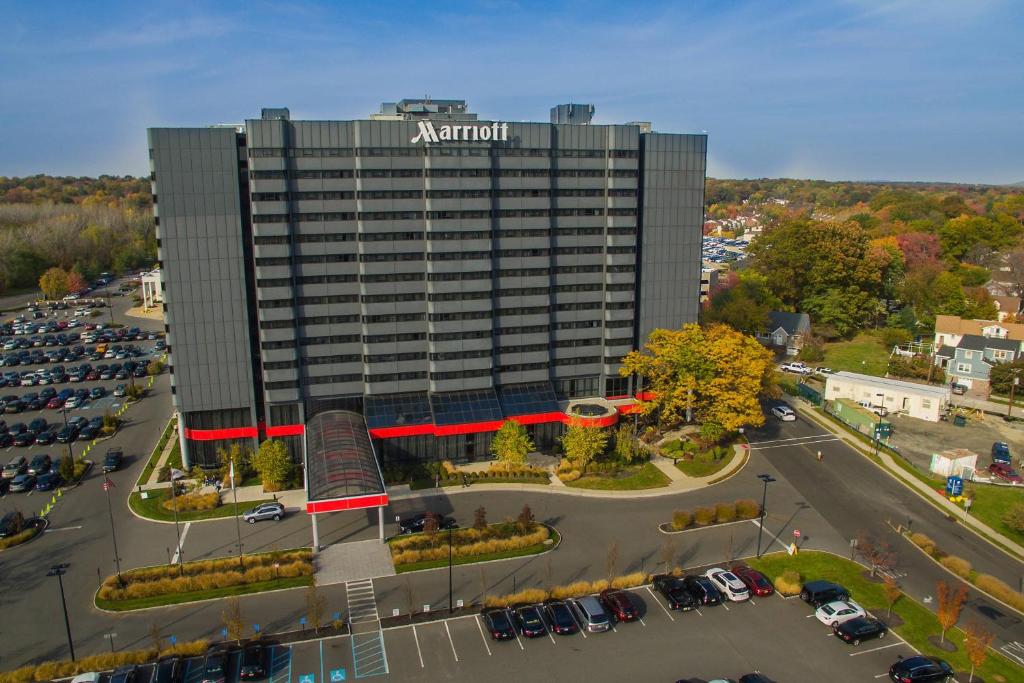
<point>380,522</point>
<point>316,534</point>
<point>186,462</point>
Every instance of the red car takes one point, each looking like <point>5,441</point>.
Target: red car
<point>55,403</point>
<point>1005,472</point>
<point>754,580</point>
<point>619,605</point>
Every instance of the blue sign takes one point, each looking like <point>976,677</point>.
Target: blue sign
<point>307,678</point>
<point>302,621</point>
<point>336,617</point>
<point>954,486</point>
<point>337,675</point>
<point>256,628</point>
<point>223,633</point>
<point>172,639</point>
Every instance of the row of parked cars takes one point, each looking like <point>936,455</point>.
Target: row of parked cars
<point>41,433</point>
<point>73,354</point>
<point>52,399</point>
<point>253,666</point>
<point>21,476</point>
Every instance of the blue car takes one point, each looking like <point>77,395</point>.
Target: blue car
<point>48,481</point>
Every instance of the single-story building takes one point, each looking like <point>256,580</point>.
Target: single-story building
<point>786,330</point>
<point>923,401</point>
<point>955,462</point>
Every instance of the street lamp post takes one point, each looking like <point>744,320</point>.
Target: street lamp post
<point>450,609</point>
<point>107,485</point>
<point>64,411</point>
<point>58,571</point>
<point>767,479</point>
<point>878,427</point>
<point>177,531</point>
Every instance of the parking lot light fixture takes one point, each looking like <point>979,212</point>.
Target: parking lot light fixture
<point>878,427</point>
<point>58,570</point>
<point>766,479</point>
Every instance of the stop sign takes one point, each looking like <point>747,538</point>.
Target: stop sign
<point>796,533</point>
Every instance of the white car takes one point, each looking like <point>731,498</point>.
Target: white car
<point>796,367</point>
<point>784,413</point>
<point>839,611</point>
<point>73,402</point>
<point>728,584</point>
<point>823,371</point>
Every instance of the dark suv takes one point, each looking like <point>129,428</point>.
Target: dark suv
<point>703,590</point>
<point>920,669</point>
<point>818,593</point>
<point>416,524</point>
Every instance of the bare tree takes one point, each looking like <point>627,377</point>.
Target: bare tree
<point>316,605</point>
<point>483,586</point>
<point>611,560</point>
<point>231,617</point>
<point>879,555</point>
<point>667,554</point>
<point>157,637</point>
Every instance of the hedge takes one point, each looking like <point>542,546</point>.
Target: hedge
<point>573,590</point>
<point>192,502</point>
<point>472,549</point>
<point>48,671</point>
<point>19,538</point>
<point>721,513</point>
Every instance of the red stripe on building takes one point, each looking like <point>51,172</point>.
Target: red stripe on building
<point>468,428</point>
<point>340,504</point>
<point>285,430</point>
<point>217,434</point>
<point>618,398</point>
<point>629,408</point>
<point>603,421</point>
<point>539,418</point>
<point>395,432</point>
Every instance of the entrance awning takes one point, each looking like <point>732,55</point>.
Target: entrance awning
<point>342,472</point>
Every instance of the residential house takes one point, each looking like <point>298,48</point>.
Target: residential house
<point>968,363</point>
<point>949,329</point>
<point>786,331</point>
<point>1006,306</point>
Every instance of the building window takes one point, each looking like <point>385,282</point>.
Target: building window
<point>963,367</point>
<point>926,403</point>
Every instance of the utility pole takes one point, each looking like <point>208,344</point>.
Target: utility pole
<point>878,427</point>
<point>177,530</point>
<point>1013,386</point>
<point>767,479</point>
<point>238,527</point>
<point>107,485</point>
<point>58,571</point>
<point>450,610</point>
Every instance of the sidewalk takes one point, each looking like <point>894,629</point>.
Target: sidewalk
<point>162,460</point>
<point>890,466</point>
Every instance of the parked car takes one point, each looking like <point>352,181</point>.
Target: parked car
<point>49,480</point>
<point>253,664</point>
<point>112,461</point>
<point>920,669</point>
<point>47,437</point>
<point>22,483</point>
<point>958,389</point>
<point>855,630</point>
<point>675,592</point>
<point>12,523</point>
<point>728,584</point>
<point>1001,453</point>
<point>214,666</point>
<point>818,593</point>
<point>274,511</point>
<point>591,614</point>
<point>703,590</point>
<point>25,439</point>
<point>124,674</point>
<point>619,605</point>
<point>120,390</point>
<point>530,621</point>
<point>17,465</point>
<point>1005,472</point>
<point>67,434</point>
<point>796,367</point>
<point>416,523</point>
<point>839,611</point>
<point>559,618</point>
<point>168,670</point>
<point>97,392</point>
<point>498,623</point>
<point>755,581</point>
<point>784,413</point>
<point>40,463</point>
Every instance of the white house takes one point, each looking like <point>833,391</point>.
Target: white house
<point>923,401</point>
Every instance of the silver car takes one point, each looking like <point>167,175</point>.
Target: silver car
<point>274,511</point>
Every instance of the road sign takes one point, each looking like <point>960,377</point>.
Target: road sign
<point>796,533</point>
<point>256,628</point>
<point>302,621</point>
<point>307,678</point>
<point>337,675</point>
<point>223,633</point>
<point>172,639</point>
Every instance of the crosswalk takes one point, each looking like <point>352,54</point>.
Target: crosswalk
<point>369,657</point>
<point>1014,651</point>
<point>794,441</point>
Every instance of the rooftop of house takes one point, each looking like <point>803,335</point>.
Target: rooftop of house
<point>791,323</point>
<point>951,324</point>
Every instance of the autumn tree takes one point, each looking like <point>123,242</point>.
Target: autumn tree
<point>582,444</point>
<point>744,306</point>
<point>316,606</point>
<point>76,282</point>
<point>951,603</point>
<point>54,283</point>
<point>237,455</point>
<point>525,520</point>
<point>627,447</point>
<point>480,518</point>
<point>977,641</point>
<point>892,592</point>
<point>919,249</point>
<point>716,372</point>
<point>273,464</point>
<point>231,618</point>
<point>511,443</point>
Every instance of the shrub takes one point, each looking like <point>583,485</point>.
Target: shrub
<point>599,585</point>
<point>747,509</point>
<point>18,538</point>
<point>629,580</point>
<point>704,515</point>
<point>725,512</point>
<point>573,590</point>
<point>100,662</point>
<point>924,543</point>
<point>193,502</point>
<point>682,519</point>
<point>526,596</point>
<point>1000,590</point>
<point>957,565</point>
<point>1014,517</point>
<point>788,583</point>
<point>571,475</point>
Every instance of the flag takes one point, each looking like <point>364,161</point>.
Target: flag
<point>107,484</point>
<point>231,474</point>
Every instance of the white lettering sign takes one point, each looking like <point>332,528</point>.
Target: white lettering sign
<point>464,133</point>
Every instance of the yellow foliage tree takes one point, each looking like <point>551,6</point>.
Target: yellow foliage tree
<point>54,283</point>
<point>716,372</point>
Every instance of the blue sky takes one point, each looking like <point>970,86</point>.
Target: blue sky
<point>839,89</point>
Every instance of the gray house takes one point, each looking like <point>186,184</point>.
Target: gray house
<point>786,331</point>
<point>968,363</point>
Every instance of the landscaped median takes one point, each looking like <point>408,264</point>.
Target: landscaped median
<point>205,579</point>
<point>27,530</point>
<point>614,477</point>
<point>156,505</point>
<point>712,515</point>
<point>498,473</point>
<point>915,623</point>
<point>51,671</point>
<point>429,550</point>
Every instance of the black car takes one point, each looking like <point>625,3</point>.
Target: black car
<point>47,437</point>
<point>40,464</point>
<point>168,670</point>
<point>253,661</point>
<point>857,629</point>
<point>6,440</point>
<point>48,481</point>
<point>97,392</point>
<point>919,669</point>
<point>703,590</point>
<point>416,524</point>
<point>530,621</point>
<point>67,434</point>
<point>124,674</point>
<point>113,460</point>
<point>818,593</point>
<point>24,439</point>
<point>88,433</point>
<point>12,523</point>
<point>214,666</point>
<point>675,592</point>
<point>559,618</point>
<point>37,425</point>
<point>498,623</point>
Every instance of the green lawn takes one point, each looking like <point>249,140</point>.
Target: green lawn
<point>504,555</point>
<point>174,459</point>
<point>192,596</point>
<point>991,503</point>
<point>155,455</point>
<point>151,508</point>
<point>646,476</point>
<point>693,468</point>
<point>864,354</point>
<point>418,484</point>
<point>918,621</point>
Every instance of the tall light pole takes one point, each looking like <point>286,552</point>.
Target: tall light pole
<point>767,479</point>
<point>58,571</point>
<point>107,485</point>
<point>450,610</point>
<point>64,411</point>
<point>177,531</point>
<point>878,427</point>
<point>238,527</point>
<point>1013,386</point>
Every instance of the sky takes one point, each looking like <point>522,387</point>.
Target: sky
<point>927,90</point>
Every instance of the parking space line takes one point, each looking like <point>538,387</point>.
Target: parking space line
<point>550,635</point>
<point>418,650</point>
<point>655,598</point>
<point>450,641</point>
<point>516,634</point>
<point>725,606</point>
<point>874,649</point>
<point>697,610</point>
<point>641,619</point>
<point>480,628</point>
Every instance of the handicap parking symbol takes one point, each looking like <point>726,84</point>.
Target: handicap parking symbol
<point>307,678</point>
<point>337,675</point>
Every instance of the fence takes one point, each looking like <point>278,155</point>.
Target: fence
<point>809,393</point>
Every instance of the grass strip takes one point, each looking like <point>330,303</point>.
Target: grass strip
<point>695,468</point>
<point>155,455</point>
<point>213,593</point>
<point>487,557</point>
<point>646,476</point>
<point>151,508</point>
<point>918,621</point>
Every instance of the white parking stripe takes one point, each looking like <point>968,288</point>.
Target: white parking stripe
<point>874,649</point>
<point>795,438</point>
<point>757,522</point>
<point>452,642</point>
<point>181,542</point>
<point>418,650</point>
<point>787,445</point>
<point>481,628</point>
<point>725,606</point>
<point>655,598</point>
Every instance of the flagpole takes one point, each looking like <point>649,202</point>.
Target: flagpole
<point>107,485</point>
<point>238,526</point>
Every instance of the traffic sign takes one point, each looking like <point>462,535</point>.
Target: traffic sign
<point>337,675</point>
<point>172,639</point>
<point>307,678</point>
<point>796,533</point>
<point>223,633</point>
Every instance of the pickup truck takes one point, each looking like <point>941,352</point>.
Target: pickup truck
<point>796,367</point>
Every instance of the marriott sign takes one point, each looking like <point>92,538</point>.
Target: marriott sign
<point>448,133</point>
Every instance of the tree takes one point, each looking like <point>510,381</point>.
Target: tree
<point>1014,517</point>
<point>891,590</point>
<point>156,637</point>
<point>431,524</point>
<point>611,560</point>
<point>667,554</point>
<point>75,281</point>
<point>979,304</point>
<point>525,520</point>
<point>480,518</point>
<point>54,283</point>
<point>316,605</point>
<point>951,603</point>
<point>273,464</point>
<point>948,295</point>
<point>977,641</point>
<point>878,554</point>
<point>716,372</point>
<point>582,443</point>
<point>241,457</point>
<point>67,469</point>
<point>919,249</point>
<point>231,618</point>
<point>627,449</point>
<point>744,306</point>
<point>511,443</point>
<point>1001,375</point>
